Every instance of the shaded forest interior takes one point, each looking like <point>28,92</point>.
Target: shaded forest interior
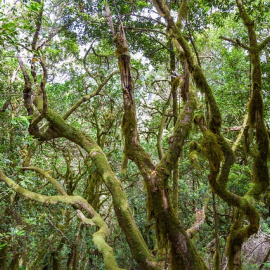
<point>134,134</point>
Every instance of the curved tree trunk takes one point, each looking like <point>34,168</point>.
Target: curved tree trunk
<point>215,144</point>
<point>126,221</point>
<point>168,228</point>
<point>60,128</point>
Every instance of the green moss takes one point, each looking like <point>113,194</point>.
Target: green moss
<point>136,242</point>
<point>260,168</point>
<point>124,164</point>
<point>183,11</point>
<point>216,260</point>
<point>120,48</point>
<point>155,211</point>
<point>176,83</point>
<point>211,149</point>
<point>193,145</point>
<point>194,160</point>
<point>255,109</point>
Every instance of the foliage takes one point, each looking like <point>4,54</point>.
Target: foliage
<point>68,52</point>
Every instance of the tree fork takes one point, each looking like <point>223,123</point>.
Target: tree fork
<point>126,221</point>
<point>256,121</point>
<point>156,177</point>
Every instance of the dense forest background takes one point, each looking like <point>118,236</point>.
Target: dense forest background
<point>134,134</point>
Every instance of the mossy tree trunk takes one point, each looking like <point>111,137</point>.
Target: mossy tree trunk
<point>219,153</point>
<point>168,228</point>
<point>36,101</point>
<point>174,91</point>
<point>14,264</point>
<point>217,150</point>
<point>98,237</point>
<point>60,128</point>
<point>256,121</point>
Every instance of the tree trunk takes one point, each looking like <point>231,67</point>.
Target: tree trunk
<point>156,178</point>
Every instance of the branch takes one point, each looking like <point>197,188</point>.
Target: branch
<point>199,221</point>
<point>109,18</point>
<point>145,30</point>
<point>38,27</point>
<point>23,69</point>
<point>48,177</point>
<point>236,42</point>
<point>5,105</point>
<point>162,44</point>
<point>135,240</point>
<point>193,44</point>
<point>100,55</point>
<point>87,97</point>
<point>194,69</point>
<point>182,128</point>
<point>44,94</point>
<point>161,127</point>
<point>132,149</point>
<point>235,144</point>
<point>244,15</point>
<point>149,18</point>
<point>92,75</point>
<point>17,43</point>
<point>27,91</point>
<point>264,43</point>
<point>98,237</point>
<point>47,199</point>
<point>182,13</point>
<point>57,229</point>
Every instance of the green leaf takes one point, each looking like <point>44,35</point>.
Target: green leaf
<point>8,25</point>
<point>2,245</point>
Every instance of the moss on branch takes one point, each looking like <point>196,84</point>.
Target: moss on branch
<point>98,237</point>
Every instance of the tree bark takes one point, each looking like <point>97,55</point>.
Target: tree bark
<point>218,176</point>
<point>168,228</point>
<point>126,221</point>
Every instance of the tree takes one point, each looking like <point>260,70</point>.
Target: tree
<point>73,123</point>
